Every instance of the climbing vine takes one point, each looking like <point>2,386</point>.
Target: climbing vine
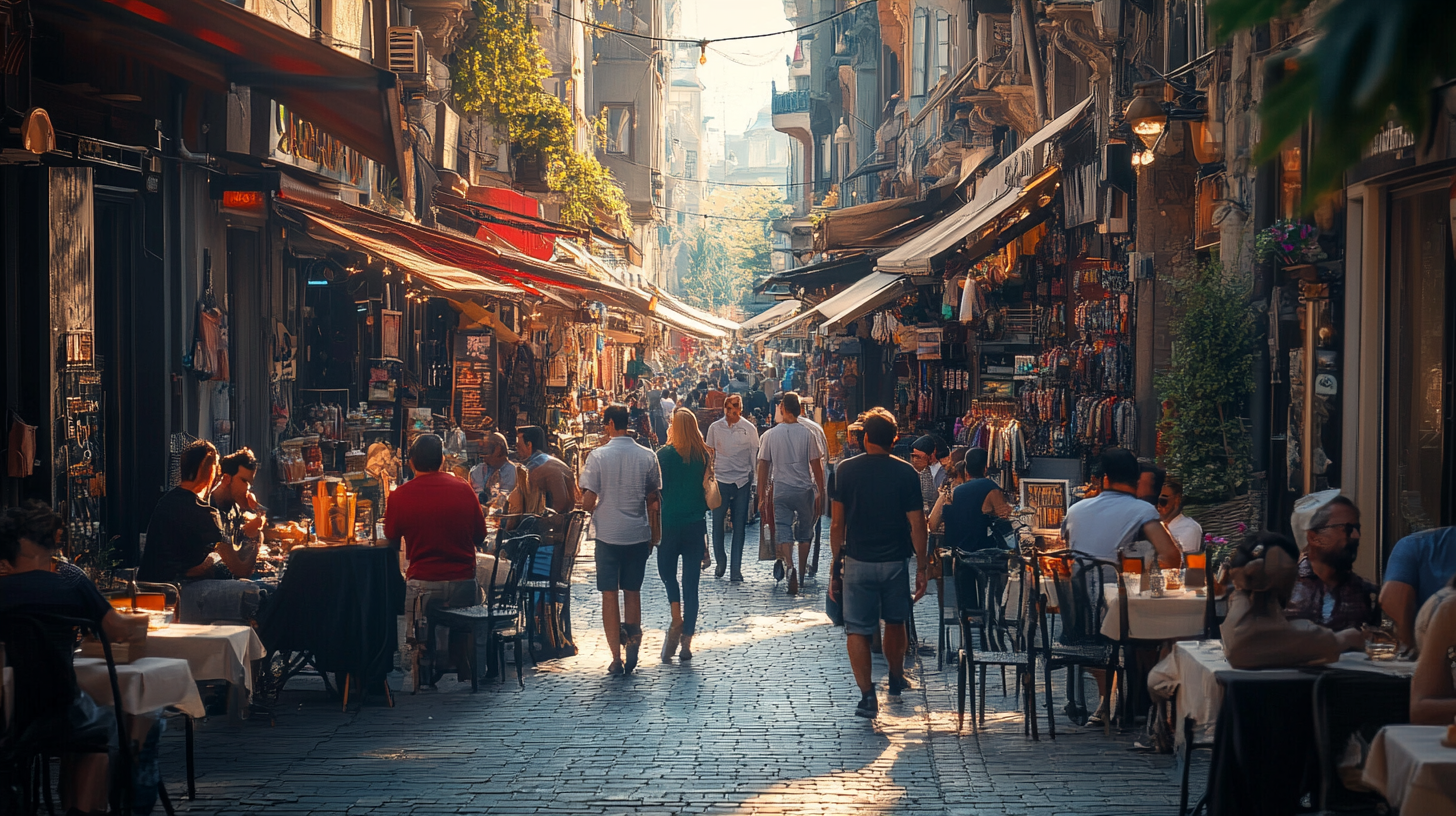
<point>497,74</point>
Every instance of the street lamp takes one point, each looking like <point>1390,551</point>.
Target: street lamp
<point>842,134</point>
<point>1145,115</point>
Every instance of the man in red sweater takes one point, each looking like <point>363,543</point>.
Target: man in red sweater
<point>440,520</point>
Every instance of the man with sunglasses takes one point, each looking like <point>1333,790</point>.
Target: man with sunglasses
<point>1185,531</point>
<point>1328,591</point>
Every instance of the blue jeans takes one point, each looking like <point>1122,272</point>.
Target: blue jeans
<point>735,498</point>
<point>683,541</point>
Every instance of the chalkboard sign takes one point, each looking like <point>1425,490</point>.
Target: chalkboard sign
<point>473,401</point>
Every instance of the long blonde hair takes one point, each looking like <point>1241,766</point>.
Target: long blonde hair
<point>686,438</point>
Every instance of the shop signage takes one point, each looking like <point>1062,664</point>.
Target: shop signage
<point>473,400</point>
<point>304,145</point>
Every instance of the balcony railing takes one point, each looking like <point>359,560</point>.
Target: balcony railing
<point>791,102</point>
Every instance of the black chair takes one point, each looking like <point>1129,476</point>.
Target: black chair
<point>946,602</point>
<point>1347,703</point>
<point>38,649</point>
<point>1080,643</point>
<point>552,587</point>
<point>1004,641</point>
<point>500,619</point>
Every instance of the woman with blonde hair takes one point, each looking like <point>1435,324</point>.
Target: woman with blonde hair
<point>684,463</point>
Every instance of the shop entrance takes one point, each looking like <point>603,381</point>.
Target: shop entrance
<point>1418,455</point>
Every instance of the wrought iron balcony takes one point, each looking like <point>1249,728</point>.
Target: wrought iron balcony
<point>791,102</point>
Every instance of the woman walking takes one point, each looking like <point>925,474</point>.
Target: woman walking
<point>684,463</point>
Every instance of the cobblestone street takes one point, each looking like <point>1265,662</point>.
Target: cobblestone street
<point>760,721</point>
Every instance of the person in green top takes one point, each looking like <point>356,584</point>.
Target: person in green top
<point>684,461</point>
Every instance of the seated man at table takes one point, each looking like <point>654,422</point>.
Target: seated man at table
<point>495,471</point>
<point>441,525</point>
<point>187,545</point>
<point>1187,532</point>
<point>84,732</point>
<point>1328,591</point>
<point>1419,566</point>
<point>1257,634</point>
<point>233,494</point>
<point>549,475</point>
<point>1433,689</point>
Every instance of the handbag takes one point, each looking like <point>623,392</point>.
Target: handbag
<point>711,494</point>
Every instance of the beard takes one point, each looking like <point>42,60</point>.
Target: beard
<point>1345,559</point>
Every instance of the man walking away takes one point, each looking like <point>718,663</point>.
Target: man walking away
<point>621,486</point>
<point>877,520</point>
<point>789,456</point>
<point>822,440</point>
<point>734,443</point>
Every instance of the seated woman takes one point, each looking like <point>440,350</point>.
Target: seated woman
<point>1256,635</point>
<point>1433,689</point>
<point>957,478</point>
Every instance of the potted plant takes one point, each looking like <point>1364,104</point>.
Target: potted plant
<point>1293,245</point>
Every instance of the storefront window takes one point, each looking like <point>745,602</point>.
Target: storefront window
<point>1420,261</point>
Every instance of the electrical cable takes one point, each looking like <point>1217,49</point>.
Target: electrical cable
<point>705,41</point>
<point>719,217</point>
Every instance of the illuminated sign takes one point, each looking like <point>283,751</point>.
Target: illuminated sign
<point>242,199</point>
<point>306,146</point>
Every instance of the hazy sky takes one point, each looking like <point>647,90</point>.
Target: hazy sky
<point>738,74</point>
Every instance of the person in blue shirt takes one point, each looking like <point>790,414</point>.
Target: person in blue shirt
<point>1419,565</point>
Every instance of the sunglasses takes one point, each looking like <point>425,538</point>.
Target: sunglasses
<point>1162,500</point>
<point>1349,528</point>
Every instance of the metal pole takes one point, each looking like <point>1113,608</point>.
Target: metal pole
<point>1313,295</point>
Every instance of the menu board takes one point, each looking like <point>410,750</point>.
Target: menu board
<point>473,401</point>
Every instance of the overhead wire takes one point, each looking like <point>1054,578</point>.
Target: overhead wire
<point>704,42</point>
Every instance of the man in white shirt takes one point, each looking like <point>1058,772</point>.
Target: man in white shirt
<point>1187,532</point>
<point>733,442</point>
<point>789,457</point>
<point>495,469</point>
<point>1103,526</point>
<point>621,486</point>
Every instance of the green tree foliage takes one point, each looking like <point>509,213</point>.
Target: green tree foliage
<point>498,74</point>
<point>1374,58</point>
<point>728,252</point>
<point>1207,386</point>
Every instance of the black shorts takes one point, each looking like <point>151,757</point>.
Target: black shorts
<point>621,566</point>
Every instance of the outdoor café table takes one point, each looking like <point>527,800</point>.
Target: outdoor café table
<point>213,653</point>
<point>1178,614</point>
<point>335,610</point>
<point>1264,752</point>
<point>1410,767</point>
<point>147,684</point>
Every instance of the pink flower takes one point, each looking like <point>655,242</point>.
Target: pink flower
<point>1287,247</point>
<point>1241,526</point>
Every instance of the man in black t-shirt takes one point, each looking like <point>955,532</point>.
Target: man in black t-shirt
<point>878,521</point>
<point>186,544</point>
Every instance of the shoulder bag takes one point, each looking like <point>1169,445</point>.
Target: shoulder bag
<point>711,494</point>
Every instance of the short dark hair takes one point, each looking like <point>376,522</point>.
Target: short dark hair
<point>932,445</point>
<point>1321,516</point>
<point>240,459</point>
<point>958,470</point>
<point>34,520</point>
<point>1174,484</point>
<point>534,435</point>
<point>194,456</point>
<point>617,415</point>
<point>1244,553</point>
<point>1120,466</point>
<point>976,460</point>
<point>879,427</point>
<point>792,404</point>
<point>427,453</point>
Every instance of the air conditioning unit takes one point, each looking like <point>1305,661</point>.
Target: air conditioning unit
<point>1140,266</point>
<point>539,14</point>
<point>407,55</point>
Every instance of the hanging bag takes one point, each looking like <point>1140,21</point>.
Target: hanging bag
<point>711,494</point>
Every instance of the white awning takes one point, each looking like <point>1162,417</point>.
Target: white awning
<point>863,296</point>
<point>996,192</point>
<point>779,311</point>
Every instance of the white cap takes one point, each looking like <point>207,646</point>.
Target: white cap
<point>1304,509</point>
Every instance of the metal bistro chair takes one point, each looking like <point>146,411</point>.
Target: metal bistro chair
<point>552,586</point>
<point>1080,643</point>
<point>1003,640</point>
<point>501,618</point>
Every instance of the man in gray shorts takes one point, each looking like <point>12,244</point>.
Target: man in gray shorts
<point>878,520</point>
<point>790,456</point>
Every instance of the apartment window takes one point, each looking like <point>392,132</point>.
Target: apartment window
<point>919,55</point>
<point>619,129</point>
<point>690,164</point>
<point>826,156</point>
<point>942,47</point>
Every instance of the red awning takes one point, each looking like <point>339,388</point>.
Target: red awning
<point>217,44</point>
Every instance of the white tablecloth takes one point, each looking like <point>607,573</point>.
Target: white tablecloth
<point>1175,615</point>
<point>147,684</point>
<point>211,652</point>
<point>1413,770</point>
<point>1191,668</point>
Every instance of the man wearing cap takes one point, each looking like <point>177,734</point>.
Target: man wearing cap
<point>1328,591</point>
<point>925,455</point>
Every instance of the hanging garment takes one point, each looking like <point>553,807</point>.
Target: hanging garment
<point>20,450</point>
